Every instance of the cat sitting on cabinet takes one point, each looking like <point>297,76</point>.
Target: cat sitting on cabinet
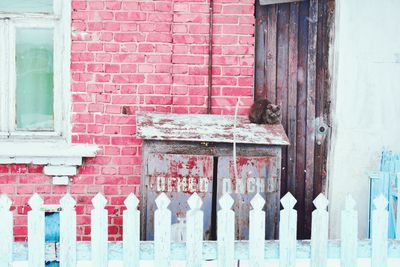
<point>264,112</point>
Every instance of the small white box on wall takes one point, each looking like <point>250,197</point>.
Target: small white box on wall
<point>60,180</point>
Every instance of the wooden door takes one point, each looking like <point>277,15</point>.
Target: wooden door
<point>292,45</point>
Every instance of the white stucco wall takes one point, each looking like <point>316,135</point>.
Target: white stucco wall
<point>366,108</point>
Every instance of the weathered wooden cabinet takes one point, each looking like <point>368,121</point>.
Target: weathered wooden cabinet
<point>183,154</point>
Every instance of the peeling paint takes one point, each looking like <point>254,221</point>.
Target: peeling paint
<point>208,128</point>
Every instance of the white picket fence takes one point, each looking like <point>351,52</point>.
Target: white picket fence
<point>226,251</point>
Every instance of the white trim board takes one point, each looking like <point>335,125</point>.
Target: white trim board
<point>61,159</point>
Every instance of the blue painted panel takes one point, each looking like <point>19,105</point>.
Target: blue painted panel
<point>52,232</point>
<point>385,182</point>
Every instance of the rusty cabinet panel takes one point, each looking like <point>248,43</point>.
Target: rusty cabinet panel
<point>255,175</point>
<point>178,176</point>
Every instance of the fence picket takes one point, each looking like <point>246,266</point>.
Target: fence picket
<point>99,234</point>
<point>36,227</point>
<point>194,232</point>
<point>6,231</point>
<point>226,232</point>
<point>257,231</point>
<point>162,232</point>
<point>349,224</point>
<point>131,232</point>
<point>379,232</point>
<point>398,207</point>
<point>288,232</point>
<point>67,232</point>
<point>319,232</point>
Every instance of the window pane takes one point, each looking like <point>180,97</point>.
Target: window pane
<point>26,6</point>
<point>34,67</point>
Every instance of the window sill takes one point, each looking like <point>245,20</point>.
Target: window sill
<point>61,159</point>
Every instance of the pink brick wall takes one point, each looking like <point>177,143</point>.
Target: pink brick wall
<point>147,54</point>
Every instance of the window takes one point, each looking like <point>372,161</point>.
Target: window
<point>34,68</point>
<point>35,87</point>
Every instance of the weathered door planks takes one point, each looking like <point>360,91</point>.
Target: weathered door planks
<point>271,52</point>
<point>292,101</point>
<point>311,87</point>
<point>301,118</point>
<point>292,50</point>
<point>282,73</point>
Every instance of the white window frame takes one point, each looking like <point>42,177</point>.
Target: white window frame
<point>60,22</point>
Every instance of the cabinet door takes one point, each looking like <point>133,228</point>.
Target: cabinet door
<point>179,176</point>
<point>255,175</point>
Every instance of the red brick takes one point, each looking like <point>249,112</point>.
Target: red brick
<point>128,78</point>
<point>146,47</point>
<point>20,230</point>
<point>146,6</point>
<point>246,81</point>
<point>111,190</point>
<point>4,169</point>
<point>79,5</point>
<point>200,8</point>
<point>8,179</point>
<point>111,180</point>
<point>161,100</point>
<point>108,170</point>
<point>163,7</point>
<point>114,5</point>
<point>159,37</point>
<point>7,189</point>
<point>130,16</point>
<point>25,190</point>
<point>181,7</point>
<point>188,59</point>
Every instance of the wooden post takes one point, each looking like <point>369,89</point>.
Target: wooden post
<point>131,232</point>
<point>67,232</point>
<point>194,232</point>
<point>288,232</point>
<point>226,232</point>
<point>379,233</point>
<point>6,232</point>
<point>319,232</point>
<point>257,231</point>
<point>99,234</point>
<point>36,227</point>
<point>349,225</point>
<point>162,232</point>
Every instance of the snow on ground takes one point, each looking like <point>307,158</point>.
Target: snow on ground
<point>268,263</point>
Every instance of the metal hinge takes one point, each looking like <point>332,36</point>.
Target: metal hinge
<point>321,130</point>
